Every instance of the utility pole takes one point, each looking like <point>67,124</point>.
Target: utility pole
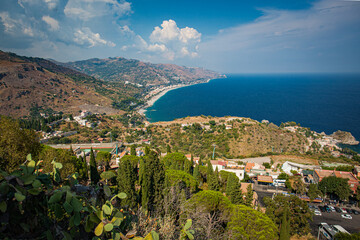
<point>213,156</point>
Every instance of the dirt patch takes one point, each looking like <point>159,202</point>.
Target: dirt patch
<point>296,159</point>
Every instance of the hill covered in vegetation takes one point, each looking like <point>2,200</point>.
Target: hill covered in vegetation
<point>137,72</point>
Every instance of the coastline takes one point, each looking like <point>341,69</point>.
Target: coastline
<point>159,93</point>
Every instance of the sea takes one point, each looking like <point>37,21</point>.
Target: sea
<point>322,102</point>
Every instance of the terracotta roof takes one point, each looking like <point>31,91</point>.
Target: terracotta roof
<point>249,166</point>
<point>267,179</point>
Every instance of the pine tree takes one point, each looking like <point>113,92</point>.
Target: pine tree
<point>233,191</point>
<point>127,176</point>
<point>249,196</point>
<point>188,166</point>
<point>94,174</point>
<point>168,149</point>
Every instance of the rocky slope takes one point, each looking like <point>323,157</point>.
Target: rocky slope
<point>345,137</point>
<point>30,85</point>
<point>146,74</point>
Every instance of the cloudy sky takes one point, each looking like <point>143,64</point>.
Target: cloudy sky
<point>230,36</point>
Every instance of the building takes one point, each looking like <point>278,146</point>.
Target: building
<point>224,166</point>
<point>265,180</point>
<point>352,180</point>
<point>287,167</point>
<point>357,171</point>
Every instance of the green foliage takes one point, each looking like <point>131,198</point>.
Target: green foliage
<point>94,174</point>
<point>211,178</point>
<point>186,232</point>
<point>66,158</point>
<point>283,176</point>
<point>209,201</point>
<point>233,191</point>
<point>126,179</point>
<point>313,191</point>
<point>175,177</point>
<point>335,185</point>
<point>249,197</point>
<point>82,168</point>
<point>247,223</point>
<point>175,161</point>
<point>151,177</point>
<point>285,226</point>
<point>133,150</point>
<point>15,144</point>
<point>346,236</point>
<point>196,173</point>
<point>299,213</point>
<point>103,158</point>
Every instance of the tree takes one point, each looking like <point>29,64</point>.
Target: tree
<point>211,178</point>
<point>283,176</point>
<point>285,226</point>
<point>247,223</point>
<point>94,174</point>
<point>188,166</point>
<point>336,186</point>
<point>168,149</point>
<point>313,191</point>
<point>182,178</point>
<point>15,144</point>
<point>152,177</point>
<point>299,213</point>
<point>126,179</point>
<point>175,161</point>
<point>210,211</point>
<point>103,159</point>
<point>196,173</point>
<point>233,191</point>
<point>133,150</point>
<point>249,196</point>
<point>48,154</point>
<point>147,150</point>
<point>81,168</point>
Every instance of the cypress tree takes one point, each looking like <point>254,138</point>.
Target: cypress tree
<point>188,167</point>
<point>249,196</point>
<point>94,174</point>
<point>196,173</point>
<point>133,150</point>
<point>168,149</point>
<point>285,227</point>
<point>233,191</point>
<point>211,178</point>
<point>152,180</point>
<point>147,150</point>
<point>127,176</point>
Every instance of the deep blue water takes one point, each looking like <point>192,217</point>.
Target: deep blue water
<point>322,102</point>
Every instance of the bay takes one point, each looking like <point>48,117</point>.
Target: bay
<point>323,102</point>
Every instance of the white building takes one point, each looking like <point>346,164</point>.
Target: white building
<point>287,167</point>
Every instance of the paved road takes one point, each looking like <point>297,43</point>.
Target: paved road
<point>85,145</point>
<point>334,218</point>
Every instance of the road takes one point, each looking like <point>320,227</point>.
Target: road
<point>85,145</point>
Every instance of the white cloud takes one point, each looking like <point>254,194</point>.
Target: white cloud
<point>51,4</point>
<point>88,9</point>
<point>172,41</point>
<point>9,23</point>
<point>87,38</point>
<point>53,23</point>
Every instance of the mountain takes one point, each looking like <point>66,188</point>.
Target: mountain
<point>146,74</point>
<point>29,85</point>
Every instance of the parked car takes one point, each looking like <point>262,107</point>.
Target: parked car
<point>327,209</point>
<point>322,208</point>
<point>348,210</point>
<point>346,216</point>
<point>337,209</point>
<point>343,210</point>
<point>332,208</point>
<point>317,212</point>
<point>356,212</point>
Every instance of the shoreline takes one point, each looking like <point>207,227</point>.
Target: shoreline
<point>161,92</point>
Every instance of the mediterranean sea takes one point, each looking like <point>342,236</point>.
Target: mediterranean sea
<point>323,102</point>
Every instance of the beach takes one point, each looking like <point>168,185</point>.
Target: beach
<point>153,97</point>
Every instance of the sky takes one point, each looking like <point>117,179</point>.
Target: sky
<point>229,36</point>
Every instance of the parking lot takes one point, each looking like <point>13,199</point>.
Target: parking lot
<point>334,218</point>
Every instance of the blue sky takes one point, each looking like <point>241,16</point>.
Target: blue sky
<point>258,36</point>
